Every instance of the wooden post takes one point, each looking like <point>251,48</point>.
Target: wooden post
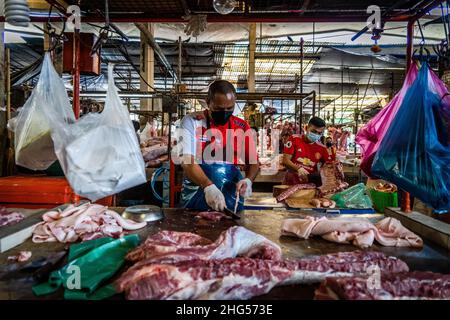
<point>47,43</point>
<point>147,57</point>
<point>251,58</point>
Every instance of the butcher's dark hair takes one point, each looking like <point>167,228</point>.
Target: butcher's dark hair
<point>136,125</point>
<point>220,87</point>
<point>316,121</point>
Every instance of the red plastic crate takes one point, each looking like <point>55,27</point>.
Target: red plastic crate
<point>39,192</point>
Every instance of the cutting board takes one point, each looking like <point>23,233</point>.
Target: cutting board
<point>14,235</point>
<point>297,203</point>
<point>264,200</point>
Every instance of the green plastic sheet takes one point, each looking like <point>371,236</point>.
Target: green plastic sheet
<point>354,198</point>
<point>91,264</point>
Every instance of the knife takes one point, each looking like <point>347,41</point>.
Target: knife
<point>231,214</point>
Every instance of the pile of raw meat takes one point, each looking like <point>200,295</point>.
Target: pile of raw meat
<point>359,232</point>
<point>340,138</point>
<point>8,218</point>
<point>289,192</point>
<point>85,222</point>
<point>155,151</point>
<point>272,163</point>
<point>389,286</point>
<point>238,265</point>
<point>179,246</point>
<point>322,203</point>
<point>332,175</point>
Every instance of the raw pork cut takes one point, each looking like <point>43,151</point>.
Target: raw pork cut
<point>88,222</point>
<point>286,194</point>
<point>392,286</point>
<point>21,257</point>
<point>154,151</point>
<point>332,175</point>
<point>166,242</point>
<point>322,203</point>
<point>155,163</point>
<point>8,218</point>
<point>359,232</point>
<point>212,215</point>
<point>236,241</point>
<point>243,278</point>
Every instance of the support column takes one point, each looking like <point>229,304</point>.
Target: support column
<point>251,58</point>
<point>409,44</point>
<point>406,205</point>
<point>147,67</point>
<point>76,73</point>
<point>3,134</point>
<point>46,38</point>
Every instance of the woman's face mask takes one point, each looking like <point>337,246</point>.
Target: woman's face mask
<point>329,144</point>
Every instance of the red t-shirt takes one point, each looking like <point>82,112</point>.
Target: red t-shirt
<point>305,154</point>
<point>243,148</point>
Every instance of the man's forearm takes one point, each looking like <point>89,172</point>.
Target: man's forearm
<point>252,171</point>
<point>195,173</point>
<point>289,164</point>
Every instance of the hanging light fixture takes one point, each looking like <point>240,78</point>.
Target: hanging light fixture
<point>224,6</point>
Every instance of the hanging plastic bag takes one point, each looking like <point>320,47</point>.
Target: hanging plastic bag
<point>415,152</point>
<point>370,136</point>
<point>32,127</point>
<point>100,153</point>
<point>83,262</point>
<point>354,197</point>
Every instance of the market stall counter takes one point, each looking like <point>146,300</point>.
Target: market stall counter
<point>17,284</point>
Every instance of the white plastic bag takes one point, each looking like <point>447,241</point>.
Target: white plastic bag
<point>146,133</point>
<point>32,126</point>
<point>100,153</point>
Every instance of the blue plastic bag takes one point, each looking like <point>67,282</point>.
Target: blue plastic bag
<point>415,152</point>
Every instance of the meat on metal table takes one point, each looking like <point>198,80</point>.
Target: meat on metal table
<point>264,222</point>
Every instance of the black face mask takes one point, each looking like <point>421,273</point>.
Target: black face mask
<point>221,117</point>
<point>329,144</point>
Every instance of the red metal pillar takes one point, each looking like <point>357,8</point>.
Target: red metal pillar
<point>406,205</point>
<point>76,73</point>
<point>172,184</point>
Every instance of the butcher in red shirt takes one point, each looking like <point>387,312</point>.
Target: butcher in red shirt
<point>302,154</point>
<point>214,144</point>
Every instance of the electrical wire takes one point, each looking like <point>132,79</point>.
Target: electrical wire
<point>123,49</point>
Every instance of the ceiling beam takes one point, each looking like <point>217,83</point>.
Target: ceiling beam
<point>236,17</point>
<point>152,42</point>
<point>61,5</point>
